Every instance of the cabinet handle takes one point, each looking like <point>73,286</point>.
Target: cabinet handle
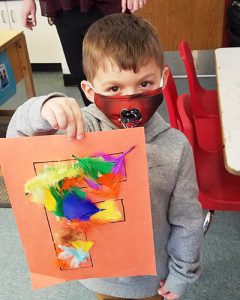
<point>3,16</point>
<point>12,15</point>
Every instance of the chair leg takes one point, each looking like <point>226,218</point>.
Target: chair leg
<point>207,221</point>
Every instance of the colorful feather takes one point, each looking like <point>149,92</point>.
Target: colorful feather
<point>110,185</point>
<point>49,201</point>
<point>68,183</point>
<point>69,191</point>
<point>93,166</point>
<point>79,192</point>
<point>108,212</point>
<point>58,196</point>
<point>69,233</point>
<point>80,227</point>
<point>78,208</point>
<point>77,254</point>
<point>49,176</point>
<point>85,246</point>
<point>92,184</point>
<point>117,160</point>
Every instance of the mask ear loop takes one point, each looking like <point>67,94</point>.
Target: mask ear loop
<point>164,73</point>
<point>90,85</point>
<point>161,81</point>
<point>165,69</point>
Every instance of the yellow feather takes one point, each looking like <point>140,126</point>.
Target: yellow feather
<point>48,177</point>
<point>49,201</point>
<point>83,245</point>
<point>109,211</point>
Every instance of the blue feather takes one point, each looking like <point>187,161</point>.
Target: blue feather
<point>75,207</point>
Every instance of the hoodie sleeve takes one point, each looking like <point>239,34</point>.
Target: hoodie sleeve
<point>27,119</point>
<point>186,218</point>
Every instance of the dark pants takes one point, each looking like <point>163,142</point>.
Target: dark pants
<point>71,27</point>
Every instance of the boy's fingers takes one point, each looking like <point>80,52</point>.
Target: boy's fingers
<point>69,123</point>
<point>80,126</point>
<point>171,296</point>
<point>64,113</point>
<point>50,117</point>
<point>161,283</point>
<point>78,119</point>
<point>60,115</point>
<point>80,130</point>
<point>71,130</point>
<point>163,291</point>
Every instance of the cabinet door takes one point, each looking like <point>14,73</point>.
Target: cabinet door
<point>198,22</point>
<point>43,42</point>
<point>4,20</point>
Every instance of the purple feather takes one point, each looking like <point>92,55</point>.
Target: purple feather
<point>92,184</point>
<point>118,160</point>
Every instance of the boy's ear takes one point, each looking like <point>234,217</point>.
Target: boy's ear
<point>88,90</point>
<point>165,75</point>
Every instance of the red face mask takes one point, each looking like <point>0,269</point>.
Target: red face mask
<point>130,110</point>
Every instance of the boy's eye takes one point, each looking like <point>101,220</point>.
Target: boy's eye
<point>144,84</point>
<point>114,89</point>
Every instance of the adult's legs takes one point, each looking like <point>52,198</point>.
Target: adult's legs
<point>71,27</point>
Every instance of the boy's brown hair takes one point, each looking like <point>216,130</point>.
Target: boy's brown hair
<point>125,39</point>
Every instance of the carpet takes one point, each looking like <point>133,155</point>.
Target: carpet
<point>4,200</point>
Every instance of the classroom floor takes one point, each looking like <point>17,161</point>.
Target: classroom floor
<point>221,250</point>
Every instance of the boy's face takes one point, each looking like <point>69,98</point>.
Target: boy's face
<point>113,81</point>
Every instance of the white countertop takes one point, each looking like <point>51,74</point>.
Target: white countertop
<point>228,80</point>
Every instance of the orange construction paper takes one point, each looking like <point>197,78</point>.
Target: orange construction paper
<point>123,248</point>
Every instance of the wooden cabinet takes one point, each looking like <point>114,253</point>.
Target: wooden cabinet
<point>43,43</point>
<point>201,23</point>
<point>4,19</point>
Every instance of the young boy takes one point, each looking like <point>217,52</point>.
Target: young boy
<point>122,57</point>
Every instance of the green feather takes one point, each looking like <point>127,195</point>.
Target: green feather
<point>79,192</point>
<point>58,196</point>
<point>92,166</point>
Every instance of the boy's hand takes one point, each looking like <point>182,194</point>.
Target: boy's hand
<point>166,293</point>
<point>64,113</point>
<point>132,5</point>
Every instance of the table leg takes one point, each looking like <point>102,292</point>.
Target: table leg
<point>25,66</point>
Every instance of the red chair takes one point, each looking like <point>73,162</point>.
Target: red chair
<point>204,105</point>
<point>218,189</point>
<point>204,102</point>
<point>170,96</point>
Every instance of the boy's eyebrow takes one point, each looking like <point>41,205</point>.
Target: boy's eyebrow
<point>112,83</point>
<point>115,82</point>
<point>147,76</point>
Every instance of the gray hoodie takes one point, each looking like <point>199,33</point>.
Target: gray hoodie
<point>176,211</point>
